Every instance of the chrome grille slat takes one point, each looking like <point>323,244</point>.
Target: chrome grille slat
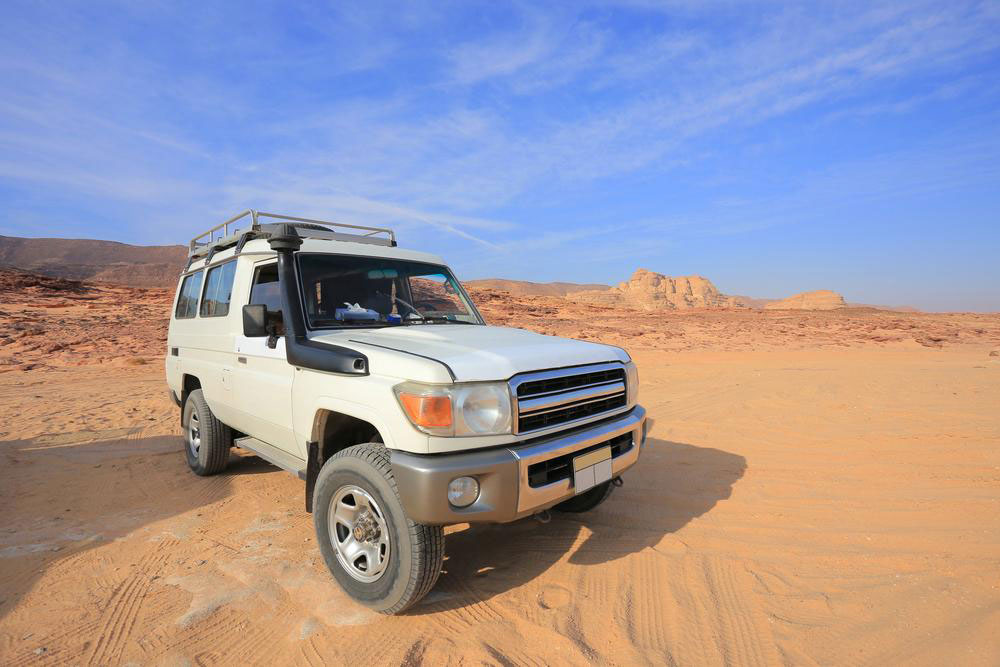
<point>565,396</point>
<point>557,408</point>
<point>551,401</point>
<point>584,386</point>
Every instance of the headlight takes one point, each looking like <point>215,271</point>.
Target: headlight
<point>480,408</point>
<point>632,383</point>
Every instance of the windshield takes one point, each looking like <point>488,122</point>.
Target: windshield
<point>350,291</point>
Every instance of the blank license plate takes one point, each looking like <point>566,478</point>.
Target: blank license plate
<point>591,469</point>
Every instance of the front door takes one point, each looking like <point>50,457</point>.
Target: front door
<point>262,381</point>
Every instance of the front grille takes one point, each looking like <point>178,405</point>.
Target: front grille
<point>551,398</point>
<point>567,382</point>
<point>533,422</point>
<point>561,467</point>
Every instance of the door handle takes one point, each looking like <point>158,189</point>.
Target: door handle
<point>242,360</point>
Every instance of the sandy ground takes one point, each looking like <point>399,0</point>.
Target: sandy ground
<point>821,488</point>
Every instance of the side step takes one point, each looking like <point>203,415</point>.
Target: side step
<point>272,454</point>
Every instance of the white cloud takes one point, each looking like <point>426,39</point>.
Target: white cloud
<point>569,101</point>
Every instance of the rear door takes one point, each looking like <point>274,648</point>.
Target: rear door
<point>262,382</point>
<point>213,343</point>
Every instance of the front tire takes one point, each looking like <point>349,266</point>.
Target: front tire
<point>206,439</point>
<point>376,553</point>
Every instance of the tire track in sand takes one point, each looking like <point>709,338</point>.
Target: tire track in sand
<point>120,614</point>
<point>645,610</point>
<point>725,614</point>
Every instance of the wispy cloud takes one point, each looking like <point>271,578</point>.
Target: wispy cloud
<point>492,127</point>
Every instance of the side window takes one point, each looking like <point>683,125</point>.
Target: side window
<point>187,302</point>
<point>265,288</point>
<point>218,290</point>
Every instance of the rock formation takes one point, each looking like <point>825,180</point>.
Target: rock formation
<point>823,299</point>
<point>647,290</point>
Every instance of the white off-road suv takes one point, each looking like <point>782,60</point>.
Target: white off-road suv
<point>366,370</point>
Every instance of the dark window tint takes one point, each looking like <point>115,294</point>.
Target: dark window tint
<point>218,290</point>
<point>265,288</point>
<point>187,302</point>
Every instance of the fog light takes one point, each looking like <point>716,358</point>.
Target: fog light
<point>463,491</point>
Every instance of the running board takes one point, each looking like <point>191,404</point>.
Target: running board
<point>272,454</point>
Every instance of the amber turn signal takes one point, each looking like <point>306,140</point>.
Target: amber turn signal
<point>427,411</point>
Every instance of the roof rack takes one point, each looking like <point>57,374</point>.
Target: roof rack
<point>220,237</point>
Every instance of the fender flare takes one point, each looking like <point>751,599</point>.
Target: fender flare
<point>314,452</point>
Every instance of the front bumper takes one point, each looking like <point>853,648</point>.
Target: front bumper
<point>505,492</point>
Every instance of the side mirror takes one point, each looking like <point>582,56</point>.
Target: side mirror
<point>255,320</point>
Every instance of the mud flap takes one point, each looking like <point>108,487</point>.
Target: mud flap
<point>313,465</point>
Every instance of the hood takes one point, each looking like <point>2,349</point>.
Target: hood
<point>475,352</point>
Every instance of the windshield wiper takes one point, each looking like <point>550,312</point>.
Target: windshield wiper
<point>413,310</point>
<point>350,323</point>
<point>434,319</point>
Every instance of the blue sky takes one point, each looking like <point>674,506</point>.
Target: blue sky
<point>772,147</point>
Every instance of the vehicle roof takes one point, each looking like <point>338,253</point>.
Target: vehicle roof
<point>259,248</point>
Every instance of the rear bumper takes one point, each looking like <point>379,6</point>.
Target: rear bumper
<point>506,493</point>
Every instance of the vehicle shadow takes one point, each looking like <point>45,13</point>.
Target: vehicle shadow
<point>673,484</point>
<point>61,501</point>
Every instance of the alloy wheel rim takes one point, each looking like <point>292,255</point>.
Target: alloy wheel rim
<point>194,434</point>
<point>359,533</point>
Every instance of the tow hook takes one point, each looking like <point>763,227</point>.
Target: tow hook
<point>618,481</point>
<point>543,517</point>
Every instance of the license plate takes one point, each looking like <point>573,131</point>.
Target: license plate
<point>591,469</point>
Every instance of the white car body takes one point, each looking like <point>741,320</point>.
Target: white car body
<point>282,408</point>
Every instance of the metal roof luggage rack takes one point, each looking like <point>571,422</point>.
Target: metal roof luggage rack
<point>219,237</point>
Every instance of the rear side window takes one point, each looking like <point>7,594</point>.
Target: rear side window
<point>187,302</point>
<point>218,290</point>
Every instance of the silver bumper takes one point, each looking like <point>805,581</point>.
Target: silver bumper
<point>506,493</point>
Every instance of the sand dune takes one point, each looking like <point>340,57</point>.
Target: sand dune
<point>821,488</point>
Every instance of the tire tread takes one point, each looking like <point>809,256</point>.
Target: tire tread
<point>428,541</point>
<point>219,440</point>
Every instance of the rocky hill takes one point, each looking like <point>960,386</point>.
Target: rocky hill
<point>647,290</point>
<point>527,288</point>
<point>818,300</point>
<point>158,266</point>
<point>101,261</point>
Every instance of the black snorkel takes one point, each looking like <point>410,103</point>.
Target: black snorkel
<point>299,349</point>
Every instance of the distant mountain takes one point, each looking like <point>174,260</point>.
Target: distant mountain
<point>526,288</point>
<point>751,302</point>
<point>159,266</point>
<point>895,309</point>
<point>87,259</point>
<point>648,290</point>
<point>823,299</point>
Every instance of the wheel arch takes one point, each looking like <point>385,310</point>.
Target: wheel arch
<point>335,428</point>
<point>189,383</point>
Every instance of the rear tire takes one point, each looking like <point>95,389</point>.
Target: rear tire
<point>587,500</point>
<point>376,553</point>
<point>206,439</point>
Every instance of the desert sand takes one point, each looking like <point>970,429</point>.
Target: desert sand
<point>821,488</point>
